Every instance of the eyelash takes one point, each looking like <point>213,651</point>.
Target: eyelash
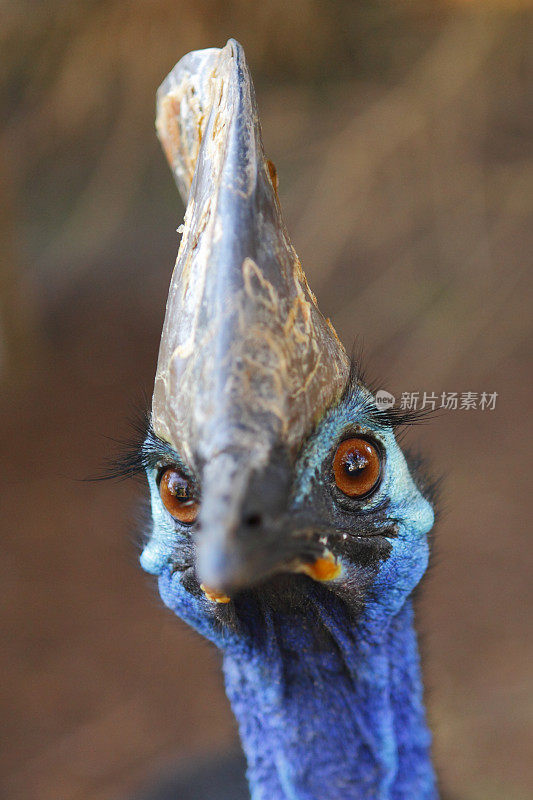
<point>355,396</point>
<point>144,450</point>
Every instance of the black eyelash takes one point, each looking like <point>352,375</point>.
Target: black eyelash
<point>143,450</point>
<point>393,417</point>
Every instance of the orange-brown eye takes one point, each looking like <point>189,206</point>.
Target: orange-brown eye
<point>356,467</point>
<point>177,497</point>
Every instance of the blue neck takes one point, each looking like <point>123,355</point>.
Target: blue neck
<point>328,709</point>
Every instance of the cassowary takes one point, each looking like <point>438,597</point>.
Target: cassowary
<point>287,526</point>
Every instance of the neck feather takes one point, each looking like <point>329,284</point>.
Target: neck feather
<point>328,709</point>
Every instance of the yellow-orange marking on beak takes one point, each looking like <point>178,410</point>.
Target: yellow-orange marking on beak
<point>215,597</point>
<point>323,569</point>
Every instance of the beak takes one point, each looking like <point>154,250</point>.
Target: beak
<point>246,531</point>
<point>247,363</point>
<point>244,541</point>
<point>239,540</point>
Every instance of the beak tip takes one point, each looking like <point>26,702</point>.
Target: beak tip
<point>219,569</point>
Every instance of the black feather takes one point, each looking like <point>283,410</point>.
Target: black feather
<point>142,450</point>
<point>393,417</point>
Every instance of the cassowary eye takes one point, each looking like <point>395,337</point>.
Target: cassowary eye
<point>357,467</point>
<point>177,496</point>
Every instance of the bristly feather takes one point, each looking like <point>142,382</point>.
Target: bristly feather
<point>143,450</point>
<point>393,417</point>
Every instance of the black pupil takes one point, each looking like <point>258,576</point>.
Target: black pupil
<point>355,462</point>
<point>179,487</point>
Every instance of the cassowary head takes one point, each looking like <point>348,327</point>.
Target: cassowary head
<point>271,469</point>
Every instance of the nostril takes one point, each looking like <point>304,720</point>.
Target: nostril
<point>252,520</point>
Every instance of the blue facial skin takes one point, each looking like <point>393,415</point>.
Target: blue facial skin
<point>329,704</point>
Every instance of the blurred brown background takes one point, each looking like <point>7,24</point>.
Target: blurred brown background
<point>401,134</point>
